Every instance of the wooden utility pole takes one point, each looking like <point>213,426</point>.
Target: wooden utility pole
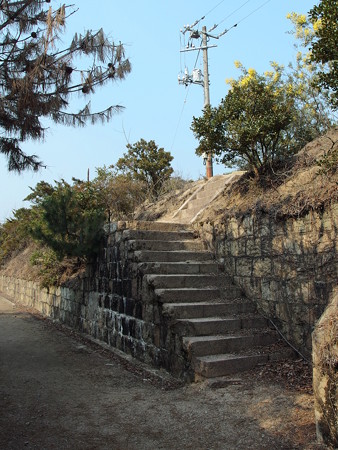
<point>197,79</point>
<point>205,67</point>
<point>209,165</point>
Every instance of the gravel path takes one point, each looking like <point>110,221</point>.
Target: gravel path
<point>60,391</point>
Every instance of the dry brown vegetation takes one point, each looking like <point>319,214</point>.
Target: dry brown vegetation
<point>289,192</point>
<point>299,186</point>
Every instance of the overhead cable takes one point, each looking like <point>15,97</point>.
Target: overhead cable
<point>212,9</point>
<point>255,10</point>
<point>209,12</point>
<point>180,118</point>
<point>229,15</point>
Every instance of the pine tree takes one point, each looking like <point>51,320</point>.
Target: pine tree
<point>37,78</point>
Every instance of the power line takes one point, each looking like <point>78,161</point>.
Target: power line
<point>198,55</point>
<point>213,9</point>
<point>233,12</point>
<point>229,15</point>
<point>235,25</point>
<point>180,118</point>
<point>255,10</point>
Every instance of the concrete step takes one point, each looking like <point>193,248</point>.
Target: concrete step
<point>213,326</point>
<point>172,256</point>
<point>206,309</point>
<point>226,364</point>
<point>205,194</point>
<point>198,203</point>
<point>191,295</point>
<point>191,245</point>
<point>180,267</point>
<point>187,295</point>
<point>155,226</point>
<point>186,280</point>
<point>213,345</point>
<point>187,214</point>
<point>156,235</point>
<point>217,325</point>
<point>209,191</point>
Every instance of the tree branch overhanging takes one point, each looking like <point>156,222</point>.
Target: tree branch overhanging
<point>37,80</point>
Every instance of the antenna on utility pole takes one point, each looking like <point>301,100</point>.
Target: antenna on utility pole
<point>196,76</point>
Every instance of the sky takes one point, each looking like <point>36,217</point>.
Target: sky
<point>156,106</point>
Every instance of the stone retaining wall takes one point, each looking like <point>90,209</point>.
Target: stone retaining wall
<point>325,374</point>
<point>108,302</point>
<point>288,267</point>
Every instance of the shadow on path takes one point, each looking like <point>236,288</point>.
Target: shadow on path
<point>58,391</point>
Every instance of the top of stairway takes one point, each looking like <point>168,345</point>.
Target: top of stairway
<point>203,195</point>
<point>180,220</point>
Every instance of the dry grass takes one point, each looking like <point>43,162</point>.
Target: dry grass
<point>290,192</point>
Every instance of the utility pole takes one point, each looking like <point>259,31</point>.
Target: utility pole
<point>208,163</point>
<point>205,67</point>
<point>196,77</point>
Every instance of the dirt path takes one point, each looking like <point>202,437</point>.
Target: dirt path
<point>59,391</point>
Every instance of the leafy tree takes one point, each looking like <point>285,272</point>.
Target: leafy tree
<point>210,130</point>
<point>317,98</point>
<point>119,193</point>
<point>254,115</point>
<point>318,35</point>
<point>148,163</point>
<point>37,77</point>
<point>68,218</point>
<point>262,120</point>
<point>324,45</point>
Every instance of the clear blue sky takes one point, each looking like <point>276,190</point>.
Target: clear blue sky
<point>156,106</point>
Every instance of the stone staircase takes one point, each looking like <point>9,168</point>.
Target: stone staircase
<point>206,326</point>
<point>202,197</point>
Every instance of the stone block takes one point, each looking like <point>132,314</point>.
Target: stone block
<point>266,291</point>
<point>106,301</point>
<point>112,338</point>
<point>253,247</point>
<point>248,224</point>
<point>233,248</point>
<point>126,287</point>
<point>221,248</point>
<point>262,267</point>
<point>83,312</point>
<point>147,332</point>
<point>292,247</point>
<point>277,245</point>
<point>243,267</point>
<point>157,336</point>
<point>232,229</point>
<point>277,268</point>
<point>108,319</point>
<point>283,312</point>
<point>114,302</point>
<point>128,306</point>
<point>263,230</point>
<point>117,287</point>
<point>138,310</point>
<point>325,244</point>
